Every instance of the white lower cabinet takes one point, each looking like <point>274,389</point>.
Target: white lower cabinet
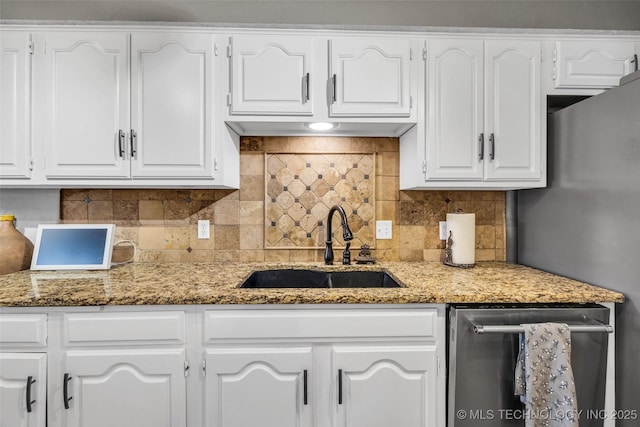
<point>273,382</point>
<point>136,388</point>
<point>23,387</point>
<point>223,366</point>
<point>381,386</point>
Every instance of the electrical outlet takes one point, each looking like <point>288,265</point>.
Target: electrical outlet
<point>443,230</point>
<point>383,230</point>
<point>203,229</point>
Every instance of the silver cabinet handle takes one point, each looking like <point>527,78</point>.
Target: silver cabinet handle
<point>334,81</point>
<point>492,149</point>
<point>306,87</point>
<point>481,148</point>
<point>121,137</point>
<point>134,142</point>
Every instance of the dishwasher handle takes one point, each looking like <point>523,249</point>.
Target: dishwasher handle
<point>594,326</point>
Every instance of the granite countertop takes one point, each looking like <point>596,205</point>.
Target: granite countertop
<point>217,283</point>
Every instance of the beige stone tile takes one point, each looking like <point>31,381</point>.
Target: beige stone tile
<point>175,210</point>
<point>251,143</point>
<point>433,255</point>
<point>412,237</point>
<point>387,188</point>
<point>256,255</point>
<point>251,237</point>
<point>484,210</point>
<point>204,194</point>
<point>226,237</point>
<point>363,145</point>
<point>485,237</point>
<point>126,210</point>
<point>387,144</point>
<point>251,187</point>
<point>99,210</point>
<point>500,212</point>
<point>388,163</point>
<point>411,255</point>
<point>459,195</point>
<point>435,212</point>
<point>251,213</point>
<point>387,254</point>
<point>73,194</point>
<point>251,164</point>
<point>227,195</point>
<point>485,255</point>
<point>126,194</point>
<point>277,144</point>
<point>151,194</point>
<point>201,255</point>
<point>412,195</point>
<point>73,210</point>
<point>231,255</point>
<point>150,210</point>
<point>393,243</point>
<point>195,243</point>
<point>501,255</point>
<point>483,195</point>
<point>126,233</point>
<point>226,212</point>
<point>308,255</point>
<point>411,213</point>
<point>101,195</point>
<point>163,238</point>
<point>276,255</point>
<point>500,237</point>
<point>432,238</point>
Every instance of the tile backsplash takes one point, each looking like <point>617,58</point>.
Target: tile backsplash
<point>365,177</point>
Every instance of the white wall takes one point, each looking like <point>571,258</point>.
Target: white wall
<point>569,14</point>
<point>31,207</point>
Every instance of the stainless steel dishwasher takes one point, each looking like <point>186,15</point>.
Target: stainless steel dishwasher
<point>483,347</point>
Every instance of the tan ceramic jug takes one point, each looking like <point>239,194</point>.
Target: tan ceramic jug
<point>15,249</point>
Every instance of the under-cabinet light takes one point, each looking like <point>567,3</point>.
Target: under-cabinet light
<point>320,126</point>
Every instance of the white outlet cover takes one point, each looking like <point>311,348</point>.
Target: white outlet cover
<point>443,230</point>
<point>384,230</point>
<point>203,229</point>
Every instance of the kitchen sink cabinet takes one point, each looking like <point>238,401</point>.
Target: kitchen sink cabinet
<point>483,126</point>
<point>354,367</point>
<point>15,103</point>
<point>271,380</point>
<point>23,385</point>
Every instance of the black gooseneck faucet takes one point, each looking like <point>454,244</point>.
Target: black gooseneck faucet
<point>347,235</point>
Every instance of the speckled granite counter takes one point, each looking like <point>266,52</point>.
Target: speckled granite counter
<point>213,283</point>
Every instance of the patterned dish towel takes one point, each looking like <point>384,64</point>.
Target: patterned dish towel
<point>543,376</point>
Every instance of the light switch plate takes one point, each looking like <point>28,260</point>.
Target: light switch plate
<point>443,230</point>
<point>203,229</point>
<point>384,230</point>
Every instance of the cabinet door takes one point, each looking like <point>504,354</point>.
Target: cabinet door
<point>267,387</point>
<point>84,103</point>
<point>172,105</point>
<point>371,77</point>
<point>15,136</point>
<point>23,388</point>
<point>385,386</point>
<point>271,75</point>
<point>512,111</point>
<point>125,388</point>
<point>592,64</point>
<point>454,109</point>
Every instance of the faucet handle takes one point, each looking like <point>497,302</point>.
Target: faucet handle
<point>346,255</point>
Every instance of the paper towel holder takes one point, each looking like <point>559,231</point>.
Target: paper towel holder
<point>448,252</point>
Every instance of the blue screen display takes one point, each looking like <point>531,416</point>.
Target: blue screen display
<point>72,246</point>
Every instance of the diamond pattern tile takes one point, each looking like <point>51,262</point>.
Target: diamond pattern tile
<point>301,188</point>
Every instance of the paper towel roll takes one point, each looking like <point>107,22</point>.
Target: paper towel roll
<point>461,227</point>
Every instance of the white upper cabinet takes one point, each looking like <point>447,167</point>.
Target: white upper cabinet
<point>513,111</point>
<point>83,95</point>
<point>15,104</point>
<point>454,109</point>
<point>271,75</point>
<point>172,105</point>
<point>592,63</point>
<point>483,125</point>
<point>370,77</point>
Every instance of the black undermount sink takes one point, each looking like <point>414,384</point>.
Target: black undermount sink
<point>299,279</point>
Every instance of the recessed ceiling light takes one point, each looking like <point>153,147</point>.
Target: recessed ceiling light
<point>320,126</point>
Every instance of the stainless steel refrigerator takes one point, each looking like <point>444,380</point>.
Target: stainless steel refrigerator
<point>586,223</point>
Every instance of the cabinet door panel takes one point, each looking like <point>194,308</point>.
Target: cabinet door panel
<point>86,103</point>
<point>126,388</point>
<point>385,386</point>
<point>372,77</point>
<point>15,137</point>
<point>268,381</point>
<point>269,75</point>
<point>15,369</point>
<point>513,111</point>
<point>592,64</point>
<point>172,111</point>
<point>454,109</point>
